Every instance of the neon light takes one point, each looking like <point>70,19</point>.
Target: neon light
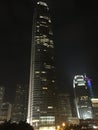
<point>89,86</point>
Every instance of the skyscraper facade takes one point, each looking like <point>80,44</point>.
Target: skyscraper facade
<point>82,98</point>
<point>41,104</point>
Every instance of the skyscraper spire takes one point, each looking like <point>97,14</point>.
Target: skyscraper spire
<point>41,104</point>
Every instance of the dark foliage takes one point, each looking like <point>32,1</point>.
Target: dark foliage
<point>13,126</point>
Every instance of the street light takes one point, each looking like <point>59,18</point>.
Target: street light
<point>63,124</point>
<point>58,127</point>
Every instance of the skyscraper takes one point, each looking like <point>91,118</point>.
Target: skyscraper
<point>41,104</point>
<point>82,98</point>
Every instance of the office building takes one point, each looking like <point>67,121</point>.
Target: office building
<point>41,104</point>
<point>82,98</point>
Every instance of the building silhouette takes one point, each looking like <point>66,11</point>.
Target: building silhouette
<point>5,107</point>
<point>95,107</point>
<point>64,112</point>
<point>41,104</point>
<point>82,98</point>
<point>2,93</point>
<point>5,112</point>
<point>19,108</point>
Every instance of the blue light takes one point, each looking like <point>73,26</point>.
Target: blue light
<point>90,87</point>
<point>89,83</point>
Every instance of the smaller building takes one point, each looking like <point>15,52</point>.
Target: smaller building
<point>73,121</point>
<point>19,109</point>
<point>5,112</point>
<point>95,107</point>
<point>2,92</point>
<point>64,108</point>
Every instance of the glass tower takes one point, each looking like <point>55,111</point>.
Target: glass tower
<point>82,98</point>
<point>41,104</point>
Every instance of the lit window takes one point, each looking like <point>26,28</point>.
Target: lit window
<point>43,22</point>
<point>37,30</point>
<point>84,97</point>
<point>48,66</point>
<point>50,32</point>
<point>44,88</point>
<point>43,72</point>
<point>44,79</point>
<point>37,72</point>
<point>45,44</point>
<point>44,40</point>
<point>37,26</point>
<point>50,107</point>
<point>43,25</point>
<point>41,3</point>
<point>53,81</point>
<point>38,110</point>
<point>49,21</point>
<point>51,46</point>
<point>44,17</point>
<point>51,41</point>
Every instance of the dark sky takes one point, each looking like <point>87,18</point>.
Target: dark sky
<point>75,28</point>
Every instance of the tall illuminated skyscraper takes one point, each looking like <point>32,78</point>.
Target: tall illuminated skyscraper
<point>82,98</point>
<point>41,105</point>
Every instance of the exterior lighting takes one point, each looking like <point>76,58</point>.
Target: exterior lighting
<point>58,127</point>
<point>63,124</point>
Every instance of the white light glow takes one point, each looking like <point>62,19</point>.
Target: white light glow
<point>47,128</point>
<point>50,107</point>
<point>94,100</point>
<point>81,84</point>
<point>41,3</point>
<point>95,127</point>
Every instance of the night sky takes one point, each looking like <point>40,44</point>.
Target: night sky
<point>75,28</point>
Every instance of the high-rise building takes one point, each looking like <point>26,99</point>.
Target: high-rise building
<point>82,98</point>
<point>41,104</point>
